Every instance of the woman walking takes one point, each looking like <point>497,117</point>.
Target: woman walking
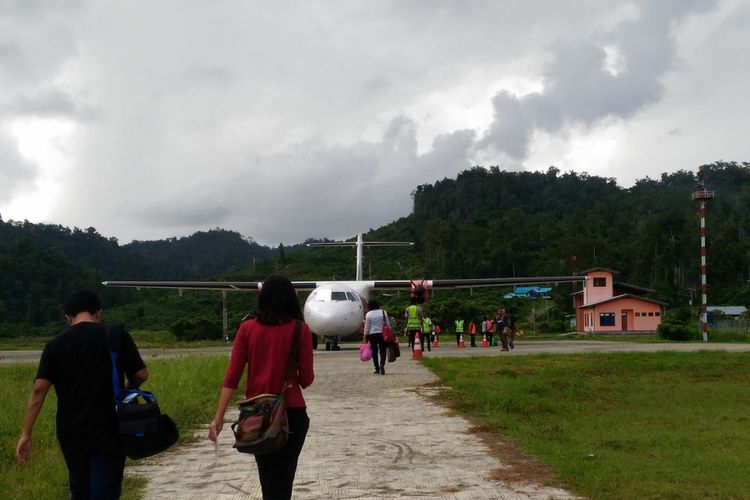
<point>263,343</point>
<point>374,321</point>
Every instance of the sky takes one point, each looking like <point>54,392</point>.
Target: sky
<point>290,120</point>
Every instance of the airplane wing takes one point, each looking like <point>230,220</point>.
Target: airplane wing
<point>254,286</point>
<point>222,286</point>
<point>476,282</point>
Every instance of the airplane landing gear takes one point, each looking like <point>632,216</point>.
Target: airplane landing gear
<point>332,344</point>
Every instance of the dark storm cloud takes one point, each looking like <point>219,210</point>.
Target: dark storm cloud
<point>314,191</point>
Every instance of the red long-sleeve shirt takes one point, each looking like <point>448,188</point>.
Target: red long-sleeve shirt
<point>265,350</point>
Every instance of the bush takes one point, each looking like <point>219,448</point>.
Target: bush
<point>196,329</point>
<point>671,330</point>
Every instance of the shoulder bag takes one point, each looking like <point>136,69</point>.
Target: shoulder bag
<point>143,430</point>
<point>388,336</point>
<point>262,426</point>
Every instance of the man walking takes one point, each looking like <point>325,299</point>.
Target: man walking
<point>414,317</point>
<point>77,363</point>
<point>427,329</point>
<point>501,326</point>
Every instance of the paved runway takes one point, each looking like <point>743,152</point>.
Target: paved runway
<point>374,437</point>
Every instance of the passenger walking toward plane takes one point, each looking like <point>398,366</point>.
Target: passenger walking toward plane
<point>374,321</point>
<point>501,326</point>
<point>263,343</point>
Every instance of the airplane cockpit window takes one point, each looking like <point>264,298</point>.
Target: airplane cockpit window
<point>338,296</point>
<point>351,296</point>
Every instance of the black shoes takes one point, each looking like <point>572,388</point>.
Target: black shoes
<point>382,370</point>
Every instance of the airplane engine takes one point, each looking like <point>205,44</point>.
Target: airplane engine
<point>419,291</point>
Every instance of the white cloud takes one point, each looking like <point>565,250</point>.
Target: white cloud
<point>318,119</point>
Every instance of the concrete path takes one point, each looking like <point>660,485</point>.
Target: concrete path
<point>371,436</point>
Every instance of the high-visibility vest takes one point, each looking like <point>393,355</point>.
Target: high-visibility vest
<point>426,325</point>
<point>413,321</point>
<point>472,327</point>
<point>459,326</point>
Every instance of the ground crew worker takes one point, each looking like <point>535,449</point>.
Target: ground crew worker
<point>414,317</point>
<point>473,333</point>
<point>459,331</point>
<point>490,330</point>
<point>427,333</point>
<point>484,329</point>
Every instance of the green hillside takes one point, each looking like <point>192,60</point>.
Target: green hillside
<point>485,222</point>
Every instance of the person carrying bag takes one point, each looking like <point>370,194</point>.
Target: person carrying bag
<point>263,344</point>
<point>262,426</point>
<point>143,430</point>
<point>376,326</point>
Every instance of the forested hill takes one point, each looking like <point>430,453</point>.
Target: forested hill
<point>200,255</point>
<point>41,263</point>
<point>490,222</point>
<point>485,222</point>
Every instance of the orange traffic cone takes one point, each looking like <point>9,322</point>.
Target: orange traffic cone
<point>436,342</point>
<point>461,341</point>
<point>485,343</point>
<point>416,353</point>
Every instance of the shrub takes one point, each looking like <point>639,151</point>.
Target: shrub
<point>196,329</point>
<point>672,330</point>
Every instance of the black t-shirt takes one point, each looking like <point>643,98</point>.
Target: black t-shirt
<point>77,362</point>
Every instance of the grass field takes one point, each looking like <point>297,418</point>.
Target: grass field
<point>618,426</point>
<point>143,339</point>
<point>187,389</point>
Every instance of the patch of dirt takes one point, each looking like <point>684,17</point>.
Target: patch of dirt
<point>521,467</point>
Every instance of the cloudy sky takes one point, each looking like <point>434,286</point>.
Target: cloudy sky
<point>287,120</point>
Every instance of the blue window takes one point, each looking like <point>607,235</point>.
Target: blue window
<point>606,319</point>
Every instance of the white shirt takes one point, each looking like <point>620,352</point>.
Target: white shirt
<point>374,321</point>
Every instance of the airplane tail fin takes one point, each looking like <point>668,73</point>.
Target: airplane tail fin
<point>359,244</point>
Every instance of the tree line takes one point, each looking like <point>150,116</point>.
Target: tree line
<point>485,222</point>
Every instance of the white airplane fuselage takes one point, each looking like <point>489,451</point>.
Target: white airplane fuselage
<point>336,309</point>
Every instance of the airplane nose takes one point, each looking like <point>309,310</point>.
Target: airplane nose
<point>334,318</point>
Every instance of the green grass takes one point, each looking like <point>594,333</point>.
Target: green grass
<point>187,389</point>
<point>618,426</point>
<point>143,339</point>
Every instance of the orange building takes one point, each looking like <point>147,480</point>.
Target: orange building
<point>605,305</point>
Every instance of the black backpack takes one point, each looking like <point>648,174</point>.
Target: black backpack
<point>143,430</point>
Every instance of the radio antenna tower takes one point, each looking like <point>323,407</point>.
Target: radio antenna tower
<point>703,196</point>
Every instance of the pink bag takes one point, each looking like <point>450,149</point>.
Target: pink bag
<point>365,353</point>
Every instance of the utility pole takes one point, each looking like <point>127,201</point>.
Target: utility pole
<point>702,197</point>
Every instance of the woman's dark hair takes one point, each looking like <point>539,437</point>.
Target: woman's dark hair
<point>277,301</point>
<point>373,305</point>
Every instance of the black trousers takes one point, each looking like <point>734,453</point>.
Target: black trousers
<point>377,345</point>
<point>276,471</point>
<point>473,339</point>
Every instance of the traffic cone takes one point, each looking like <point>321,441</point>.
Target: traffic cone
<point>416,353</point>
<point>461,344</point>
<point>436,342</point>
<point>484,341</point>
